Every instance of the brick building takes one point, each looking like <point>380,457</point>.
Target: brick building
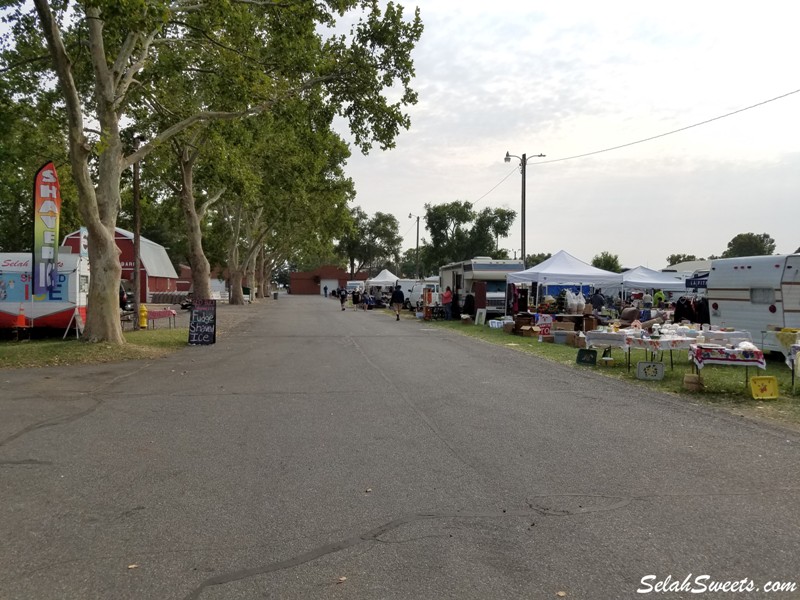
<point>314,282</point>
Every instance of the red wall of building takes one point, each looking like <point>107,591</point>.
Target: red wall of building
<point>308,282</point>
<point>125,245</point>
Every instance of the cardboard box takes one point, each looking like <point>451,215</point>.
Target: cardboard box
<point>563,326</point>
<point>548,339</point>
<point>575,340</point>
<point>590,323</point>
<point>508,327</point>
<point>527,331</point>
<point>588,309</point>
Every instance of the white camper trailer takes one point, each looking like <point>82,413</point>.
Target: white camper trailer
<point>462,276</point>
<point>759,294</point>
<point>58,306</point>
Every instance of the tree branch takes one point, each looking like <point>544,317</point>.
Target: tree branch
<point>128,46</point>
<point>131,72</point>
<point>211,200</point>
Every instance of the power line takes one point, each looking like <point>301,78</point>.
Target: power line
<point>655,137</point>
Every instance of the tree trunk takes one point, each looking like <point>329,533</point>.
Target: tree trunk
<point>263,292</point>
<point>98,205</point>
<point>236,295</point>
<point>201,269</point>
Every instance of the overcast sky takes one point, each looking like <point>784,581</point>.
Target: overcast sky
<point>569,78</point>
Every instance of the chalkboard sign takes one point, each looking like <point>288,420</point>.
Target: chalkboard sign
<point>203,323</point>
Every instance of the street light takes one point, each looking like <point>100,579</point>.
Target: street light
<point>523,163</point>
<point>410,216</point>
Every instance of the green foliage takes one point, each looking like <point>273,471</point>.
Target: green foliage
<point>370,242</point>
<point>30,136</point>
<point>460,233</point>
<point>534,259</point>
<point>219,60</point>
<point>607,261</point>
<point>674,259</point>
<point>750,244</point>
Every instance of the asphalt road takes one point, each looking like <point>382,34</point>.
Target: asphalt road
<point>314,453</point>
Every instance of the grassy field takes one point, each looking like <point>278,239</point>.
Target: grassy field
<point>723,386</point>
<point>54,352</point>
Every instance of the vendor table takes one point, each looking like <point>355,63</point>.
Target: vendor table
<point>659,345</point>
<point>625,340</point>
<point>167,313</point>
<point>704,354</point>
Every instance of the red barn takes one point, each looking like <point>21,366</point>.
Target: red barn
<point>156,271</point>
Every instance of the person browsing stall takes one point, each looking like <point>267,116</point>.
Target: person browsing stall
<point>447,303</point>
<point>598,301</point>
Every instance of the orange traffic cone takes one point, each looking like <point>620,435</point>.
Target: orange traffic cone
<point>21,321</point>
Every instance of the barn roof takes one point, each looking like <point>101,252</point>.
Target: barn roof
<point>153,256</point>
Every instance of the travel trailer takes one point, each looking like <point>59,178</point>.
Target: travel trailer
<point>56,308</point>
<point>759,294</point>
<point>462,277</point>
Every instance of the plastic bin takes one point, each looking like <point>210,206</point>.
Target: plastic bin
<point>274,295</point>
<point>764,388</point>
<point>560,336</point>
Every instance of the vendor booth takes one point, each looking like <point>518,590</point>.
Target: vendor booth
<point>383,279</point>
<point>564,269</point>
<point>647,279</point>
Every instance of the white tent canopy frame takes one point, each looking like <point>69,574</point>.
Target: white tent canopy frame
<point>564,269</point>
<point>644,278</point>
<point>384,278</point>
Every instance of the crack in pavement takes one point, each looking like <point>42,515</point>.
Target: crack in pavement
<point>536,507</point>
<point>373,534</point>
<point>63,419</point>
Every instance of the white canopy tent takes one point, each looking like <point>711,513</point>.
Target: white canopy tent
<point>564,269</point>
<point>384,278</point>
<point>645,279</point>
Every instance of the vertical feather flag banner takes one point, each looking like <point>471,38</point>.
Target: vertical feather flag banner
<point>47,209</point>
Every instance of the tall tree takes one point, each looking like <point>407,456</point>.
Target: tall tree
<point>674,259</point>
<point>607,261</point>
<point>353,71</point>
<point>459,233</point>
<point>370,242</point>
<point>534,259</point>
<point>750,244</point>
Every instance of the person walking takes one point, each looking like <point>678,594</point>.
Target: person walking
<point>343,297</point>
<point>325,291</point>
<point>447,303</point>
<point>398,299</point>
